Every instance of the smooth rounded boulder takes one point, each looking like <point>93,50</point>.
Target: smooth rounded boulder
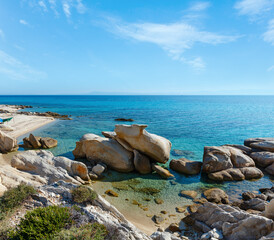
<point>106,150</point>
<point>154,146</point>
<point>185,166</point>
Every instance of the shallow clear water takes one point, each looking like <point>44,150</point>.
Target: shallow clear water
<point>189,122</point>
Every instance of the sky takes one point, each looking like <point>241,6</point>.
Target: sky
<point>136,47</point>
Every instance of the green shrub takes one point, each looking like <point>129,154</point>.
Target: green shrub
<point>83,194</point>
<point>91,231</point>
<point>14,197</point>
<point>42,223</point>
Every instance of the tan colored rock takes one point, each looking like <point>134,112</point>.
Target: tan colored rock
<point>231,174</point>
<point>249,141</point>
<point>161,171</point>
<point>142,163</point>
<point>47,142</point>
<point>34,141</point>
<point>270,169</point>
<point>190,194</point>
<point>106,150</point>
<point>185,166</point>
<point>251,172</point>
<point>239,159</point>
<point>264,145</point>
<point>7,143</point>
<point>216,195</point>
<point>154,146</point>
<point>263,159</point>
<point>269,210</point>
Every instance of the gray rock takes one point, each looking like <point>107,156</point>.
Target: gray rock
<point>98,169</point>
<point>142,163</point>
<point>216,195</point>
<point>263,159</point>
<point>214,233</point>
<point>163,236</point>
<point>251,173</point>
<point>270,169</point>
<point>249,141</point>
<point>231,174</point>
<point>264,145</point>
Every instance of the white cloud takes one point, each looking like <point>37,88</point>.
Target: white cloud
<point>66,8</point>
<point>254,7</point>
<point>14,69</point>
<point>199,6</point>
<point>43,6</point>
<point>270,68</point>
<point>174,38</point>
<point>269,34</point>
<point>23,22</point>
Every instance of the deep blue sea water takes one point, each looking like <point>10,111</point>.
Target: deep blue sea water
<point>189,122</point>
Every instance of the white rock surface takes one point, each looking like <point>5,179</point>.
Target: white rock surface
<point>7,143</point>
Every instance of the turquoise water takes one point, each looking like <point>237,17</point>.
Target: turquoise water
<point>189,122</point>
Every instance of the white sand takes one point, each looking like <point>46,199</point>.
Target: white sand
<point>22,124</point>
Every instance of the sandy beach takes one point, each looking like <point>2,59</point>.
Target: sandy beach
<point>21,124</point>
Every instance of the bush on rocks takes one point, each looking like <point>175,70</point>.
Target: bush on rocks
<point>83,194</point>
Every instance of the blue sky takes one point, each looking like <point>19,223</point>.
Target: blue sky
<point>136,47</point>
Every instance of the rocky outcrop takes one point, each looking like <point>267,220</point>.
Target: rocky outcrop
<point>226,163</point>
<point>33,142</point>
<point>106,150</point>
<point>44,164</point>
<point>7,143</point>
<point>185,166</point>
<point>141,163</point>
<point>233,223</point>
<point>152,145</point>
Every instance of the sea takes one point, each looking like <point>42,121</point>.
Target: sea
<point>189,122</point>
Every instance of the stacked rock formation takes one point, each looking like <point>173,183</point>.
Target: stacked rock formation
<point>128,148</point>
<point>33,142</point>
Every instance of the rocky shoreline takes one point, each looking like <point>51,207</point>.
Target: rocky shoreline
<point>131,148</point>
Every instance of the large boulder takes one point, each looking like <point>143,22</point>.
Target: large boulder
<point>142,163</point>
<point>226,163</point>
<point>44,164</point>
<point>264,145</point>
<point>7,143</point>
<point>249,141</point>
<point>34,142</point>
<point>235,224</point>
<point>263,159</point>
<point>185,166</point>
<point>154,146</point>
<point>270,169</point>
<point>106,150</point>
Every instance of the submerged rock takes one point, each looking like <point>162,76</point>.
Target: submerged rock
<point>124,120</point>
<point>33,142</point>
<point>154,146</point>
<point>7,143</point>
<point>185,166</point>
<point>106,150</point>
<point>44,164</point>
<point>190,194</point>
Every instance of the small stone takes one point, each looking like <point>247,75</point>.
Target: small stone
<point>180,209</point>
<point>134,202</point>
<point>163,212</point>
<point>174,227</point>
<point>158,219</point>
<point>111,193</point>
<point>147,199</point>
<point>193,208</point>
<point>158,201</point>
<point>172,215</point>
<point>189,194</point>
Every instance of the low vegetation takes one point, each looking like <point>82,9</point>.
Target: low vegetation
<point>83,194</point>
<point>13,198</point>
<point>90,231</point>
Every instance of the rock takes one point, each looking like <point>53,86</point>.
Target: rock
<point>269,210</point>
<point>47,142</point>
<point>249,141</point>
<point>111,193</point>
<point>239,159</point>
<point>268,237</point>
<point>231,174</point>
<point>251,173</point>
<point>158,219</point>
<point>234,223</point>
<point>244,149</point>
<point>248,195</point>
<point>270,169</point>
<point>263,159</point>
<point>216,195</point>
<point>158,201</point>
<point>93,176</point>
<point>7,143</point>
<point>108,151</point>
<point>264,145</point>
<point>185,166</point>
<point>189,194</point>
<point>180,209</point>
<point>254,204</point>
<point>98,169</point>
<point>216,159</point>
<point>194,207</point>
<point>154,146</point>
<point>109,134</point>
<point>213,234</point>
<point>141,163</point>
<point>26,143</point>
<point>44,164</point>
<point>34,141</point>
<point>164,236</point>
<point>161,171</point>
<point>174,227</point>
<point>124,119</point>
